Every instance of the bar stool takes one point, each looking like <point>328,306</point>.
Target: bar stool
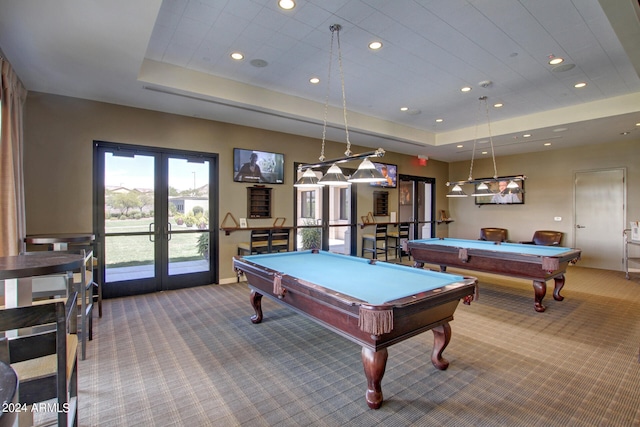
<point>398,237</point>
<point>378,242</point>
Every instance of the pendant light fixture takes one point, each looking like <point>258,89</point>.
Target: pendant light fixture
<point>366,171</point>
<point>482,189</point>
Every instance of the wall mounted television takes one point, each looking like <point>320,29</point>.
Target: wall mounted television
<point>258,167</point>
<point>501,197</point>
<point>390,172</point>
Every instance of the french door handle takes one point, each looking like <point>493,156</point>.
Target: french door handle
<point>168,231</point>
<point>151,232</point>
<point>580,226</point>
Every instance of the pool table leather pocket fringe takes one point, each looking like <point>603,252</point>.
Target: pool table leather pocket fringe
<point>375,320</point>
<point>278,290</point>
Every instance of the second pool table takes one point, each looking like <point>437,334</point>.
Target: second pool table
<point>533,262</point>
<point>374,304</point>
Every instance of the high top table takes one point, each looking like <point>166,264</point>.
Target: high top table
<point>17,271</point>
<point>60,242</point>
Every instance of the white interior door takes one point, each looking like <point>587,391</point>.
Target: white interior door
<point>599,217</point>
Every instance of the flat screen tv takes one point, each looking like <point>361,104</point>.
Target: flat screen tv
<point>388,171</point>
<point>258,167</point>
<point>502,196</point>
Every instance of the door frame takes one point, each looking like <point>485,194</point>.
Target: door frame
<point>418,199</point>
<point>155,284</point>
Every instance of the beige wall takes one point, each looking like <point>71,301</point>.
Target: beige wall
<point>59,132</point>
<point>58,157</point>
<point>549,189</point>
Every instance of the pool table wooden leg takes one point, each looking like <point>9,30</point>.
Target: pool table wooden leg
<point>540,290</point>
<point>374,362</point>
<point>559,284</point>
<point>441,338</point>
<point>256,302</point>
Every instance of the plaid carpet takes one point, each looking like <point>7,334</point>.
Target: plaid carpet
<point>192,358</point>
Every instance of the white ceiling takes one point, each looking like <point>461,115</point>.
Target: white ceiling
<point>173,56</point>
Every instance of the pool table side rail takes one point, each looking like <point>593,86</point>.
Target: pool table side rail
<point>342,316</point>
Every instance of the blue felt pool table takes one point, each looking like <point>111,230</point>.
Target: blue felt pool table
<point>533,262</point>
<point>374,304</point>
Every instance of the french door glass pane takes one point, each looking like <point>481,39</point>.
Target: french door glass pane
<point>188,213</point>
<point>129,210</point>
<point>128,258</point>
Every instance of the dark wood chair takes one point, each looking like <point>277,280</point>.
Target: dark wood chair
<point>280,239</point>
<point>397,237</point>
<point>493,234</point>
<point>44,354</point>
<point>378,241</point>
<point>81,281</point>
<point>545,238</point>
<point>259,243</point>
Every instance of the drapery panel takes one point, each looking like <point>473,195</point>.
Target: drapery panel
<point>12,206</point>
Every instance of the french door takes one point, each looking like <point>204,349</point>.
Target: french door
<point>325,217</point>
<point>416,204</point>
<point>152,222</point>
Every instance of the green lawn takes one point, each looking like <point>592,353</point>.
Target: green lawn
<point>122,251</point>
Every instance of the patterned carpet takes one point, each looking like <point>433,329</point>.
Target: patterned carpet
<point>192,358</point>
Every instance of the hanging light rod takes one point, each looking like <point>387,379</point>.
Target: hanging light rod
<point>377,153</point>
<point>494,179</point>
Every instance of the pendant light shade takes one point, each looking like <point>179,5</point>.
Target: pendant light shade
<point>367,172</point>
<point>456,191</point>
<point>334,177</point>
<point>482,190</point>
<point>513,188</point>
<point>308,180</point>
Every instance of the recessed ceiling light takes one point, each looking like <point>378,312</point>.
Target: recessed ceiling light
<point>526,135</point>
<point>237,56</point>
<point>485,152</point>
<point>439,120</point>
<point>547,144</point>
<point>579,85</point>
<point>460,146</point>
<point>625,133</point>
<point>498,105</point>
<point>554,60</point>
<point>465,89</point>
<point>287,4</point>
<point>404,108</point>
<point>314,80</point>
<point>638,124</point>
<point>375,45</point>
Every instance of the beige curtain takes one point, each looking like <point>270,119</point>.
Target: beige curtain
<point>12,215</point>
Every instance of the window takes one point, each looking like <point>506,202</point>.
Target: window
<point>344,204</point>
<point>308,204</point>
